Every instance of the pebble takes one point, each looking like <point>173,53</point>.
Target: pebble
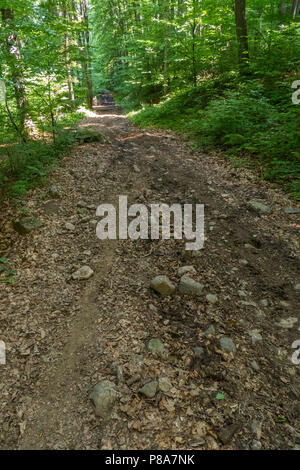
<point>210,330</point>
<point>291,210</point>
<point>259,207</point>
<point>227,344</point>
<point>149,390</point>
<point>27,224</point>
<point>186,269</point>
<point>103,397</point>
<point>70,227</point>
<point>255,335</point>
<point>188,286</point>
<point>156,345</point>
<point>254,366</point>
<point>54,192</point>
<point>82,204</point>
<point>164,384</point>
<point>198,351</point>
<point>211,298</point>
<point>288,322</point>
<point>83,273</point>
<point>256,445</point>
<point>162,285</point>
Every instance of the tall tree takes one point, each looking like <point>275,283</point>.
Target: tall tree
<point>242,33</point>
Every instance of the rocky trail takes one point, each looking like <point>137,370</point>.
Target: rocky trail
<point>184,371</point>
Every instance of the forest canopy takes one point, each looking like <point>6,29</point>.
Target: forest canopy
<point>221,71</point>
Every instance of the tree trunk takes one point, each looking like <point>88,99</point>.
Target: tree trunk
<point>242,34</point>
<point>13,48</point>
<point>86,63</point>
<point>295,8</point>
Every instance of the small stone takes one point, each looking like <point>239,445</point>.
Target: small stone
<point>254,366</point>
<point>227,344</point>
<point>152,308</point>
<point>162,285</point>
<point>255,335</point>
<point>136,169</point>
<point>199,352</point>
<point>54,192</point>
<point>197,442</point>
<point>259,207</point>
<point>297,287</point>
<point>256,445</point>
<point>27,224</point>
<point>291,210</point>
<point>264,302</point>
<point>70,227</point>
<point>188,286</point>
<point>149,390</point>
<point>103,397</point>
<point>91,207</point>
<point>164,384</point>
<point>211,298</point>
<point>83,273</point>
<point>288,323</point>
<point>210,331</point>
<point>242,294</point>
<point>82,204</point>
<point>255,426</point>
<point>156,345</point>
<point>227,433</point>
<point>243,262</point>
<point>93,222</point>
<point>55,255</point>
<point>186,269</point>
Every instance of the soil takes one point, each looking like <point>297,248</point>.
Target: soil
<point>64,336</point>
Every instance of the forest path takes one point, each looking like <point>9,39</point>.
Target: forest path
<point>63,336</point>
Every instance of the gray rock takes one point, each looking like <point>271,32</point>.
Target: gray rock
<point>256,445</point>
<point>242,294</point>
<point>255,425</point>
<point>210,330</point>
<point>188,286</point>
<point>297,287</point>
<point>255,336</point>
<point>91,207</point>
<point>291,210</point>
<point>155,345</point>
<point>149,390</point>
<point>186,269</point>
<point>199,352</point>
<point>54,192</point>
<point>164,384</point>
<point>254,366</point>
<point>211,298</point>
<point>162,285</point>
<point>227,344</point>
<point>243,262</point>
<point>82,204</point>
<point>259,207</point>
<point>70,227</point>
<point>197,442</point>
<point>264,302</point>
<point>284,304</point>
<point>27,224</point>
<point>288,323</point>
<point>103,397</point>
<point>227,433</point>
<point>83,273</point>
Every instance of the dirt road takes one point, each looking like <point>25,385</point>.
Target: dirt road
<point>63,336</point>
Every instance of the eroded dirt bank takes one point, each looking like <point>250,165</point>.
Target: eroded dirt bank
<point>63,336</point>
